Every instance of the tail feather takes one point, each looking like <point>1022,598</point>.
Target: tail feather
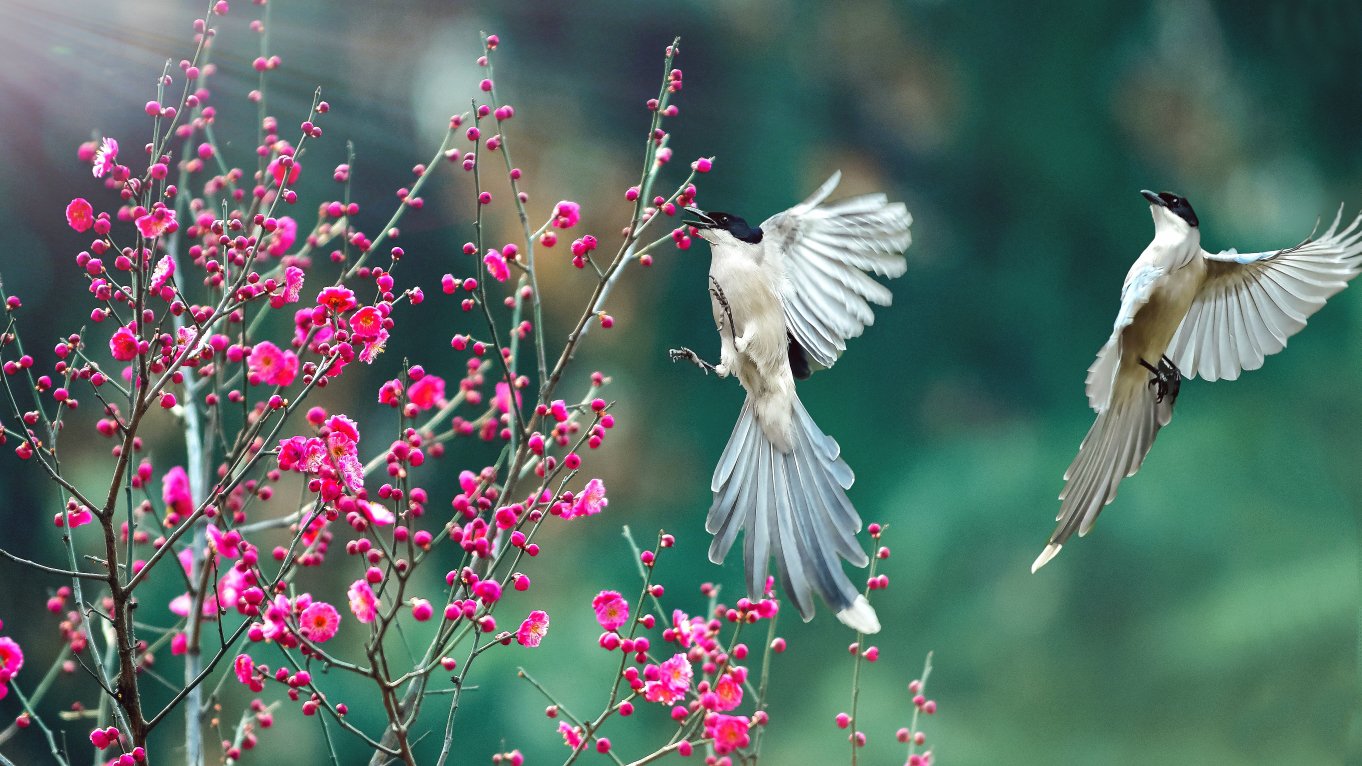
<point>1114,448</point>
<point>793,506</point>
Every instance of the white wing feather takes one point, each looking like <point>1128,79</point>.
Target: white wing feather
<point>1251,303</point>
<point>827,250</point>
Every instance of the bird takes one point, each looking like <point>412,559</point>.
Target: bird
<point>1186,312</point>
<point>786,296</point>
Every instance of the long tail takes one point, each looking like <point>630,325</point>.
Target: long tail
<point>792,505</point>
<point>1114,448</point>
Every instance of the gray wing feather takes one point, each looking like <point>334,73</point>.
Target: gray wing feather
<point>1252,303</point>
<point>827,250</point>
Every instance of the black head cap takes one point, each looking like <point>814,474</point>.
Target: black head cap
<point>730,223</point>
<point>1179,206</point>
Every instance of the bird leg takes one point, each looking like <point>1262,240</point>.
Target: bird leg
<point>677,354</point>
<point>719,298</point>
<point>1167,377</point>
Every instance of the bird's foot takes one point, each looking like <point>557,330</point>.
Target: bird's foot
<point>678,354</point>
<point>722,300</point>
<point>1167,378</point>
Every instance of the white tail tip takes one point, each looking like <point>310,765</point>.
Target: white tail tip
<point>1050,552</point>
<point>860,616</point>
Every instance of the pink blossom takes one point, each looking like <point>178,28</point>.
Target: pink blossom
<point>293,287</point>
<point>496,265</point>
<point>427,392</point>
<point>318,622</point>
<point>533,629</point>
<point>612,610</point>
<point>269,365</point>
<point>123,345</point>
<point>245,673</point>
<point>175,493</point>
<point>572,736</point>
<point>12,659</point>
<point>373,347</point>
<point>80,215</point>
<point>377,513</point>
<point>160,220</point>
<point>165,269</point>
<point>729,732</point>
<point>728,691</point>
<point>363,602</point>
<point>342,424</point>
<point>283,237</point>
<point>338,299</point>
<point>345,457</point>
<point>277,169</point>
<point>293,453</point>
<point>366,323</point>
<point>503,397</point>
<point>591,502</point>
<point>672,681</point>
<point>566,214</point>
<point>106,157</point>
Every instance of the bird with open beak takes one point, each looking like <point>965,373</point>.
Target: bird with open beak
<point>786,296</point>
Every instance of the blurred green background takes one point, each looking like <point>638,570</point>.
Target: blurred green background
<point>1213,615</point>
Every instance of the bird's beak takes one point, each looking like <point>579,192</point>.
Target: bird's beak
<point>698,218</point>
<point>1153,198</point>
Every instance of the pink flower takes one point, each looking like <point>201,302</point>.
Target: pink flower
<point>591,502</point>
<point>175,493</point>
<point>343,424</point>
<point>269,365</point>
<point>363,602</point>
<point>345,457</point>
<point>123,345</point>
<point>12,659</point>
<point>377,514</point>
<point>338,299</point>
<point>293,453</point>
<point>283,237</point>
<point>572,736</point>
<point>293,286</point>
<point>729,732</point>
<point>612,610</point>
<point>161,220</point>
<point>318,622</point>
<point>80,215</point>
<point>278,170</point>
<point>245,673</point>
<point>503,397</point>
<point>106,157</point>
<point>672,680</point>
<point>566,215</point>
<point>366,323</point>
<point>728,691</point>
<point>372,348</point>
<point>427,392</point>
<point>533,629</point>
<point>165,269</point>
<point>496,265</point>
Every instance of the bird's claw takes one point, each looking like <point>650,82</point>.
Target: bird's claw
<point>722,300</point>
<point>679,354</point>
<point>1167,378</point>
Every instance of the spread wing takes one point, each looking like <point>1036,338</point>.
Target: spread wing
<point>827,250</point>
<point>1252,302</point>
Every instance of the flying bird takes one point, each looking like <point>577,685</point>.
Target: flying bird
<point>786,297</point>
<point>1188,312</point>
